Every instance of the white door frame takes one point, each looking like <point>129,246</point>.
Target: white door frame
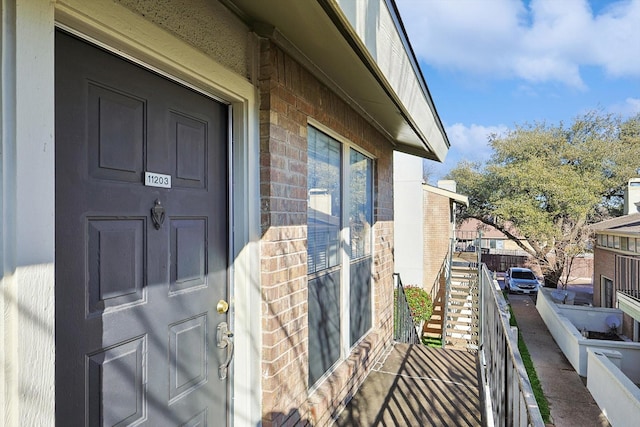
<point>27,196</point>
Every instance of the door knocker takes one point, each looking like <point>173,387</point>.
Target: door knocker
<point>157,214</point>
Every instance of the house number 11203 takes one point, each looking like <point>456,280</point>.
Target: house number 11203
<point>157,180</point>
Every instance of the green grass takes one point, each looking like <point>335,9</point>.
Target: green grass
<point>543,405</point>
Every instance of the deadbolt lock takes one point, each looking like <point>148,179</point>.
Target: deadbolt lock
<point>222,306</point>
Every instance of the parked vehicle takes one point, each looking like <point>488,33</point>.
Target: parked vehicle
<point>521,280</point>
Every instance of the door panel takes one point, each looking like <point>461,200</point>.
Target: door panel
<point>135,300</point>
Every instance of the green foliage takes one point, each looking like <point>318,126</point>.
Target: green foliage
<point>432,342</point>
<point>547,183</point>
<point>420,303</point>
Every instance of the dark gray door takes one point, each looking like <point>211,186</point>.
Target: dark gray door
<point>136,297</point>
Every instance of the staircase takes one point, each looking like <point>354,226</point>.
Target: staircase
<point>433,328</point>
<point>461,321</point>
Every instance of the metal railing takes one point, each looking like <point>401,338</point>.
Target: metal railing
<point>447,293</point>
<point>445,271</point>
<point>506,384</point>
<point>404,327</point>
<point>631,293</point>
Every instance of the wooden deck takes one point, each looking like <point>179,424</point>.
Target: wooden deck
<point>414,385</point>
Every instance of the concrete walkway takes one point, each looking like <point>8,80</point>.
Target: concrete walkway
<point>570,402</point>
<point>415,385</point>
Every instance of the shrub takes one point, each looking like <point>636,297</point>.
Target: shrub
<point>419,302</point>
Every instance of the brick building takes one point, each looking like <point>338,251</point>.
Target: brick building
<point>198,226</point>
<point>616,269</point>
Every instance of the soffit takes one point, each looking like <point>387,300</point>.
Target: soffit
<point>318,34</point>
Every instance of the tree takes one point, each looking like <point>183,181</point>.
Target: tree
<point>551,182</point>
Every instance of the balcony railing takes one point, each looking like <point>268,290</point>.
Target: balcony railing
<point>404,327</point>
<point>505,379</point>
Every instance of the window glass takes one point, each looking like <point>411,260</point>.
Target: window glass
<point>616,242</point>
<point>632,244</point>
<point>360,222</point>
<point>324,223</point>
<point>624,243</point>
<point>324,202</point>
<point>361,206</point>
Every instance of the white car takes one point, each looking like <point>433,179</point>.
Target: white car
<point>521,280</point>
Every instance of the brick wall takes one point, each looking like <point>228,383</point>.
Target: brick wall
<point>289,95</point>
<point>437,235</point>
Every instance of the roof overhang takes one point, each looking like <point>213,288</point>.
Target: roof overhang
<point>360,50</point>
<point>626,225</point>
<point>458,198</point>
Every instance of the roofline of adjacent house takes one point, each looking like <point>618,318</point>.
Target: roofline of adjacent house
<point>620,221</point>
<point>446,193</point>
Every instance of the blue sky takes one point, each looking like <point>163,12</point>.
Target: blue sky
<point>492,64</point>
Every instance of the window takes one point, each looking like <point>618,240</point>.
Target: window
<point>339,249</point>
<point>632,244</point>
<point>607,292</point>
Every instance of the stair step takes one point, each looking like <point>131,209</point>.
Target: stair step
<point>432,335</point>
<point>460,295</point>
<point>461,327</point>
<point>460,321</point>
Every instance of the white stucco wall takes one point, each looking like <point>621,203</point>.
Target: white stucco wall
<point>408,218</point>
<point>27,212</point>
<point>575,346</point>
<point>616,395</point>
<point>27,197</point>
<point>207,25</point>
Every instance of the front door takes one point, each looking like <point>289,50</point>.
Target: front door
<point>141,246</point>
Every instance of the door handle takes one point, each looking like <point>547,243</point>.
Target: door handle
<point>224,336</point>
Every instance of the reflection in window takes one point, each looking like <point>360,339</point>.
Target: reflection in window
<point>361,210</point>
<point>324,219</point>
<point>360,220</point>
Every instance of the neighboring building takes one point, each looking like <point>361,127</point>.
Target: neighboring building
<point>424,222</point>
<point>616,275</point>
<point>493,241</point>
<point>196,209</point>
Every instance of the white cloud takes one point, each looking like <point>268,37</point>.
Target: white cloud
<point>548,41</point>
<point>469,143</point>
<point>630,107</point>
